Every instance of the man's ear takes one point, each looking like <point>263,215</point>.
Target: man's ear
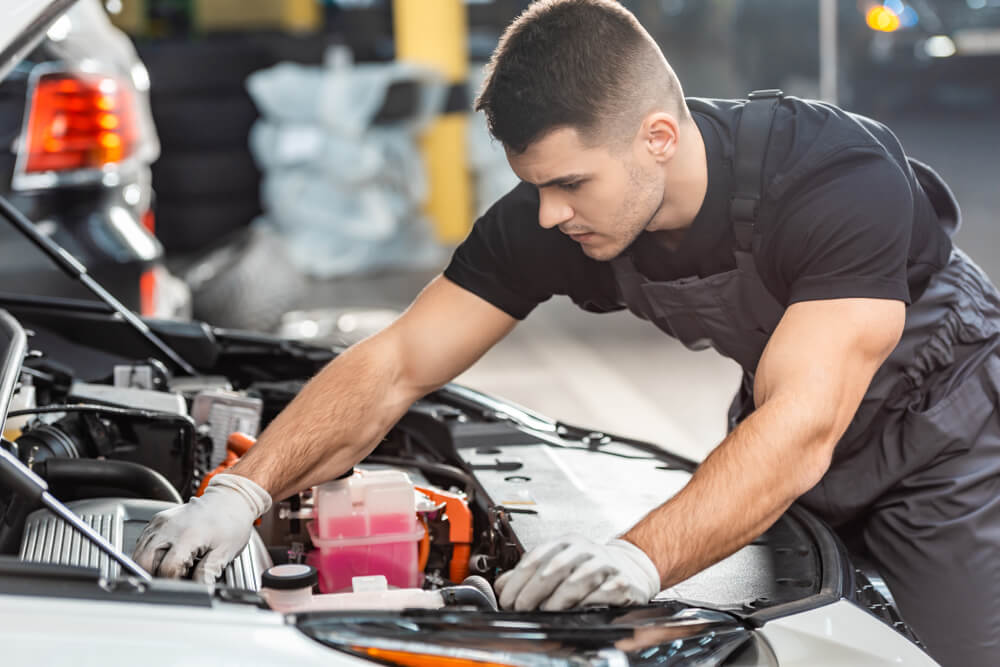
<point>658,135</point>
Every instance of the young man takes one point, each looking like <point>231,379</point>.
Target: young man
<point>791,236</point>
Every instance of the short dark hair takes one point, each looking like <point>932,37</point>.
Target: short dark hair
<point>585,64</point>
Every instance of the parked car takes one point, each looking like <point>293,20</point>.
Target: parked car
<point>891,53</point>
<point>935,48</point>
<point>122,417</point>
<point>76,144</point>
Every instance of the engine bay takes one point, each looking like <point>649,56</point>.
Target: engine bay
<point>121,450</point>
<point>477,481</point>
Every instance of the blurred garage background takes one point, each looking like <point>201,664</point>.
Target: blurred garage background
<point>307,166</point>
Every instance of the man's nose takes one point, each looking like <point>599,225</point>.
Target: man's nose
<point>553,211</point>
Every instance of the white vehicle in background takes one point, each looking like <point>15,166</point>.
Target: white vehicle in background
<point>76,143</point>
<point>120,417</point>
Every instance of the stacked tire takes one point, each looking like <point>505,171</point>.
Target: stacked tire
<point>206,183</point>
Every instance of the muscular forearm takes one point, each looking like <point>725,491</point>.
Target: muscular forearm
<point>742,488</point>
<point>335,421</point>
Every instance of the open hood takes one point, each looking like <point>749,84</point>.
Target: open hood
<point>23,26</point>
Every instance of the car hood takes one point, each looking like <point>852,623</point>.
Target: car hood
<point>23,26</point>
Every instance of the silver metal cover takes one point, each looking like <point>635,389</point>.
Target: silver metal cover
<point>48,539</point>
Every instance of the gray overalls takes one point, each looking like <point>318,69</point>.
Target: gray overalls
<point>916,477</point>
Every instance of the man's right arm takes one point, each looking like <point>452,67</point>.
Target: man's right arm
<point>346,410</point>
<point>334,422</point>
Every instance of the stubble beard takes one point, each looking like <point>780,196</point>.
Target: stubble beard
<point>640,205</point>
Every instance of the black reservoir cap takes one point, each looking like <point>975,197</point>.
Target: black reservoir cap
<point>289,577</point>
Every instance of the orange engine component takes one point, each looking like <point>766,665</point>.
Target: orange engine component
<point>459,529</point>
<point>237,444</point>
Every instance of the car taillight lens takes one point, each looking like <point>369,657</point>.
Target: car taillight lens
<point>79,121</point>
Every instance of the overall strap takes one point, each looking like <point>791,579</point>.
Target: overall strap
<point>752,137</point>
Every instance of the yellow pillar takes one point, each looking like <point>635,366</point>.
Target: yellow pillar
<point>434,33</point>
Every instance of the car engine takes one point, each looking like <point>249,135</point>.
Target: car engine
<point>120,450</point>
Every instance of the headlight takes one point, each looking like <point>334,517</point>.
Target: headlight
<point>668,634</point>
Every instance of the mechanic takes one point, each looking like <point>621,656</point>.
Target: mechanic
<point>791,236</point>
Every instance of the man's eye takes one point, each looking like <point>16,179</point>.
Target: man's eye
<point>575,185</point>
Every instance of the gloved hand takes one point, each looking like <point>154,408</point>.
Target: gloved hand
<point>573,571</point>
<point>215,527</point>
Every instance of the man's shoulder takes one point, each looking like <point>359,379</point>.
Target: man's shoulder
<point>806,118</point>
<point>813,142</point>
<point>805,133</point>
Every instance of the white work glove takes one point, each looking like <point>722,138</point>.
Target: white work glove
<point>215,527</point>
<point>574,571</point>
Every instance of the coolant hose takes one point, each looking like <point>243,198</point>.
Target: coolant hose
<point>112,475</point>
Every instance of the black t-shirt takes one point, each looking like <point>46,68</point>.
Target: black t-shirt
<point>842,216</point>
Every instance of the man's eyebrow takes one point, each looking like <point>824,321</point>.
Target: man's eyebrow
<point>562,180</point>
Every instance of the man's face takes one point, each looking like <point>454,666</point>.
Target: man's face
<point>601,199</point>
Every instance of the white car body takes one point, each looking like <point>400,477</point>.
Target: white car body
<point>46,631</point>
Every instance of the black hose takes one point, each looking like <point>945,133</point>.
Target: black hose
<point>112,475</point>
<point>100,409</point>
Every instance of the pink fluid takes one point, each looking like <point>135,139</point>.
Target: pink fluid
<point>397,561</point>
<point>352,525</point>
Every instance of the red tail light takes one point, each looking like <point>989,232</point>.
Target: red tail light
<point>79,121</point>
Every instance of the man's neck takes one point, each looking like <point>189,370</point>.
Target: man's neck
<point>685,187</point>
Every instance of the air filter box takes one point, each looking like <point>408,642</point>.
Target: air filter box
<point>48,539</point>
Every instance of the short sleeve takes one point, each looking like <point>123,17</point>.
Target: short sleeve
<point>509,260</point>
<point>845,233</point>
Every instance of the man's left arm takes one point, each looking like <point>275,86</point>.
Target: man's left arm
<point>809,383</point>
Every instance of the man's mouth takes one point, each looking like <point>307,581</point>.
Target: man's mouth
<point>581,237</point>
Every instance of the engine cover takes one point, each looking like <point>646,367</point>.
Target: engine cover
<point>48,539</point>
